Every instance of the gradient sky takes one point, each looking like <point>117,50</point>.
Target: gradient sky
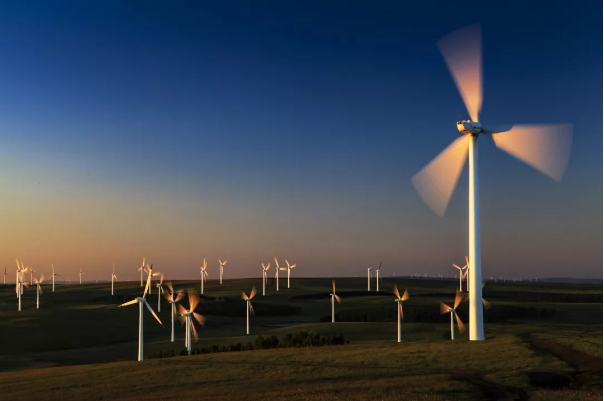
<point>292,129</point>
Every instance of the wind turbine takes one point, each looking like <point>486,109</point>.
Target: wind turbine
<point>160,286</point>
<point>444,308</point>
<point>31,276</point>
<point>81,274</point>
<point>289,267</point>
<point>173,300</point>
<point>337,298</point>
<point>399,313</point>
<point>142,300</point>
<point>544,147</point>
<point>204,273</point>
<point>39,290</point>
<point>462,274</point>
<point>113,276</point>
<point>248,307</point>
<point>53,277</point>
<point>21,283</point>
<point>378,277</point>
<point>221,268</point>
<point>277,272</point>
<point>264,274</point>
<point>186,317</point>
<point>369,279</point>
<point>141,269</point>
<point>5,275</point>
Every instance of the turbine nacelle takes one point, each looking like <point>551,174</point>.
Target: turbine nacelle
<point>469,127</point>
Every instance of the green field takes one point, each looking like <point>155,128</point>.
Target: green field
<point>543,342</point>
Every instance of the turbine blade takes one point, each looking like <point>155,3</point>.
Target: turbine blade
<point>436,181</point>
<point>454,265</point>
<point>153,312</point>
<point>193,300</point>
<point>460,325</point>
<point>180,295</point>
<point>333,282</point>
<point>396,292</point>
<point>253,293</point>
<point>462,51</point>
<point>200,318</point>
<point>243,296</point>
<point>129,303</point>
<point>546,148</point>
<point>337,297</point>
<point>458,297</point>
<point>444,308</point>
<point>181,311</point>
<point>400,309</point>
<point>194,330</point>
<point>487,304</point>
<point>251,308</point>
<point>169,285</point>
<point>405,295</point>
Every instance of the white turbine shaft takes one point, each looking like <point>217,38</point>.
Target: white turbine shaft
<point>369,279</point>
<point>140,328</point>
<point>172,307</point>
<point>247,317</point>
<point>333,314</point>
<point>159,299</point>
<point>263,282</point>
<point>460,279</point>
<point>277,277</point>
<point>38,297</point>
<point>475,279</point>
<point>221,274</point>
<point>452,327</point>
<point>112,275</point>
<point>288,269</point>
<point>377,280</point>
<point>398,313</point>
<point>19,292</point>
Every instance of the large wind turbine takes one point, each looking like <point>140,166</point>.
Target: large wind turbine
<point>186,316</point>
<point>289,267</point>
<point>264,278</point>
<point>544,147</point>
<point>444,308</point>
<point>113,277</point>
<point>142,269</point>
<point>399,300</point>
<point>337,298</point>
<point>140,302</point>
<point>369,279</point>
<point>204,273</point>
<point>461,273</point>
<point>53,277</point>
<point>173,300</point>
<point>221,268</point>
<point>81,274</point>
<point>248,307</point>
<point>160,287</point>
<point>39,290</point>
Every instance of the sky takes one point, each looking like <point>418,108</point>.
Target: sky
<point>252,130</point>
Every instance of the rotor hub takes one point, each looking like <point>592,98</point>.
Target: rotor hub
<point>469,127</point>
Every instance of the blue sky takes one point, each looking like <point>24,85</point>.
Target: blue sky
<point>247,131</point>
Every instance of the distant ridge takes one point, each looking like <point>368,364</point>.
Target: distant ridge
<point>569,280</point>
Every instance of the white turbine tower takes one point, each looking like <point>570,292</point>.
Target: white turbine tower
<point>20,281</point>
<point>160,286</point>
<point>221,268</point>
<point>31,276</point>
<point>186,316</point>
<point>39,290</point>
<point>399,300</point>
<point>277,273</point>
<point>264,277</point>
<point>5,275</point>
<point>337,298</point>
<point>378,277</point>
<point>369,279</point>
<point>204,273</point>
<point>544,147</point>
<point>142,300</point>
<point>462,273</point>
<point>53,277</point>
<point>444,308</point>
<point>81,274</point>
<point>289,267</point>
<point>173,300</point>
<point>248,307</point>
<point>113,277</point>
<point>142,269</point>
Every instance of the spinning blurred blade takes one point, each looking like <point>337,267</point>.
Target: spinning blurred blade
<point>460,325</point>
<point>130,302</point>
<point>462,51</point>
<point>543,147</point>
<point>444,308</point>
<point>405,296</point>
<point>253,293</point>
<point>400,309</point>
<point>458,297</point>
<point>486,304</point>
<point>180,295</point>
<point>337,298</point>
<point>153,312</point>
<point>193,301</point>
<point>194,330</point>
<point>333,282</point>
<point>200,318</point>
<point>435,182</point>
<point>251,309</point>
<point>181,311</point>
<point>396,292</point>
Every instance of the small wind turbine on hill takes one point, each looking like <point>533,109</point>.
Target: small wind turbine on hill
<point>53,277</point>
<point>399,300</point>
<point>81,274</point>
<point>186,316</point>
<point>369,279</point>
<point>5,275</point>
<point>462,273</point>
<point>337,298</point>
<point>544,147</point>
<point>444,308</point>
<point>378,277</point>
<point>159,291</point>
<point>173,300</point>
<point>264,277</point>
<point>277,273</point>
<point>38,290</point>
<point>204,273</point>
<point>142,300</point>
<point>248,307</point>
<point>289,267</point>
<point>113,277</point>
<point>142,269</point>
<point>221,268</point>
<point>31,276</point>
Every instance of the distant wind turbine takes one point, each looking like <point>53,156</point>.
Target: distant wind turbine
<point>160,286</point>
<point>221,268</point>
<point>369,279</point>
<point>173,300</point>
<point>39,290</point>
<point>378,277</point>
<point>53,277</point>
<point>289,267</point>
<point>337,298</point>
<point>142,269</point>
<point>20,282</point>
<point>142,300</point>
<point>186,316</point>
<point>248,307</point>
<point>113,277</point>
<point>277,273</point>
<point>5,275</point>
<point>204,273</point>
<point>31,276</point>
<point>543,147</point>
<point>462,273</point>
<point>81,274</point>
<point>264,278</point>
<point>399,300</point>
<point>444,308</point>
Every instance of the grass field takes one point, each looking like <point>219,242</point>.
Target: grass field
<point>79,345</point>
